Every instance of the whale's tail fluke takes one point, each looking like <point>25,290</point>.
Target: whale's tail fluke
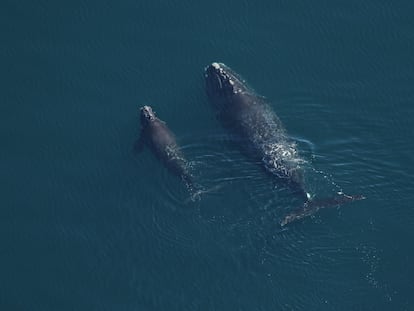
<point>310,207</point>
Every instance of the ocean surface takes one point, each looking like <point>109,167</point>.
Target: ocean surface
<point>87,224</point>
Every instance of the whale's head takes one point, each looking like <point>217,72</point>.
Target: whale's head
<point>222,82</point>
<point>147,115</point>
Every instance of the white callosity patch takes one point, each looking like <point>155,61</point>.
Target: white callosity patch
<point>227,77</point>
<point>216,65</point>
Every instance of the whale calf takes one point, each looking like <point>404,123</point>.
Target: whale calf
<point>161,140</point>
<point>250,117</point>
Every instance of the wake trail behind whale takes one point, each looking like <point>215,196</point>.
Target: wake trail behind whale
<point>197,191</point>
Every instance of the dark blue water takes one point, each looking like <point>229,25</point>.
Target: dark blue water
<point>87,225</point>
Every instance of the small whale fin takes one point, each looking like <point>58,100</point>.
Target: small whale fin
<point>310,207</point>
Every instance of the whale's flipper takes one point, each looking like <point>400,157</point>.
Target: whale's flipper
<point>311,207</point>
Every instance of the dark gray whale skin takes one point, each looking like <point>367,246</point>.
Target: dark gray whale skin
<point>250,118</point>
<point>160,139</point>
<point>263,136</point>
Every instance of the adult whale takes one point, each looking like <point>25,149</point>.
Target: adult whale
<point>249,116</point>
<point>161,140</point>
